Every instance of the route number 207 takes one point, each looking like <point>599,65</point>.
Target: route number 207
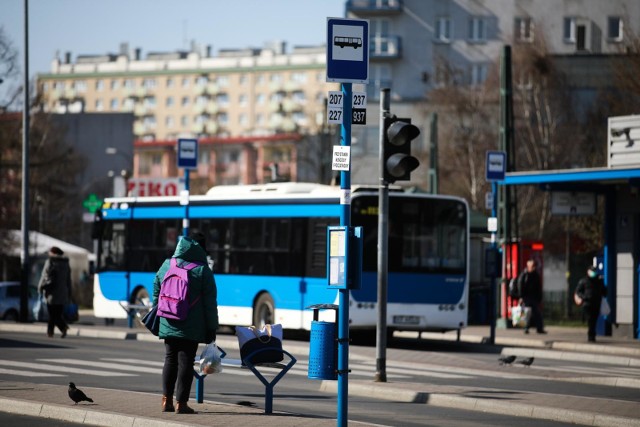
<point>335,99</point>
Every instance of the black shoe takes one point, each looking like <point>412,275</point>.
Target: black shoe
<point>592,339</point>
<point>542,332</point>
<point>526,331</point>
<point>64,333</point>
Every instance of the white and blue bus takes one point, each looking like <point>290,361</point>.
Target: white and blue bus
<point>268,249</point>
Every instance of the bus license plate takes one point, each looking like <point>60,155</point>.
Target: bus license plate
<point>406,320</point>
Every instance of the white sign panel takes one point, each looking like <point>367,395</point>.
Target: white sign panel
<point>492,224</point>
<point>570,203</point>
<point>359,108</point>
<point>341,158</point>
<point>335,103</point>
<point>623,142</point>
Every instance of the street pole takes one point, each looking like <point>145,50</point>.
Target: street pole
<point>345,220</point>
<point>24,254</point>
<point>185,220</point>
<point>383,242</point>
<point>494,253</point>
<point>433,155</point>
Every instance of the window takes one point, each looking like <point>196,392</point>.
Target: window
<point>184,121</point>
<point>222,99</point>
<point>223,118</point>
<point>243,119</point>
<point>223,80</point>
<point>170,82</point>
<point>478,74</point>
<point>202,80</point>
<point>99,85</point>
<point>185,82</point>
<point>169,101</point>
<point>523,29</point>
<point>276,78</point>
<point>169,122</point>
<point>149,83</point>
<point>185,101</point>
<point>114,104</point>
<point>129,83</point>
<point>260,98</point>
<point>259,119</point>
<point>242,79</point>
<point>150,101</point>
<point>477,30</point>
<point>615,29</point>
<point>569,29</point>
<point>242,100</point>
<point>80,85</point>
<point>299,77</point>
<point>115,84</point>
<point>260,79</point>
<point>99,105</point>
<point>443,29</point>
<point>577,31</point>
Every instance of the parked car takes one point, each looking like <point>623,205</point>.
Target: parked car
<point>10,301</point>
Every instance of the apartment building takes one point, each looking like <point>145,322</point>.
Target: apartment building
<point>245,106</point>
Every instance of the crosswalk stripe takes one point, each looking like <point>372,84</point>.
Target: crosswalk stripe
<point>63,369</point>
<point>105,365</point>
<point>160,364</point>
<point>28,373</point>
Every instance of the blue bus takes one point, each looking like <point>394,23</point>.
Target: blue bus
<point>267,245</point>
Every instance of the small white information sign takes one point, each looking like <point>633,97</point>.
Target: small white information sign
<point>335,102</point>
<point>492,224</point>
<point>341,158</point>
<point>359,108</point>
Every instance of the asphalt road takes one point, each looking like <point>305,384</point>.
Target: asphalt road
<point>137,366</point>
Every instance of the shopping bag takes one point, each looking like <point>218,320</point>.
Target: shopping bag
<point>40,313</point>
<point>211,359</point>
<point>605,310</point>
<point>252,339</point>
<point>71,313</point>
<point>151,321</point>
<point>520,316</point>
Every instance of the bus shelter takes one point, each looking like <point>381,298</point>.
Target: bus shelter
<point>620,188</point>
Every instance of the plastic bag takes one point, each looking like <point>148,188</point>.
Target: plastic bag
<point>211,360</point>
<point>520,316</point>
<point>605,310</point>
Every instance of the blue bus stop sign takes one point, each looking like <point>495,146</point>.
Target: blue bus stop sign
<point>496,165</point>
<point>188,153</point>
<point>347,50</point>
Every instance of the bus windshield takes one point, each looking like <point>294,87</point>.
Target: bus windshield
<point>425,235</point>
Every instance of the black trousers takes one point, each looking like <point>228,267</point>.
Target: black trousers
<point>55,318</point>
<point>178,366</point>
<point>592,312</point>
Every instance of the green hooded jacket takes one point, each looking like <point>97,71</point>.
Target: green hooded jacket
<point>203,315</point>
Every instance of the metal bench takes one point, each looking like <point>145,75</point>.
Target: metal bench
<point>246,364</point>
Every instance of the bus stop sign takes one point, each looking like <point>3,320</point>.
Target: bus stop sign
<point>347,50</point>
<point>188,153</point>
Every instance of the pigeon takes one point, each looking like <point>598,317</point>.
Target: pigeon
<point>507,360</point>
<point>78,395</point>
<point>526,362</point>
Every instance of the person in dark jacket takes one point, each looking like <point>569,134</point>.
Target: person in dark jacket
<point>181,338</point>
<point>55,285</point>
<point>530,287</point>
<point>590,290</point>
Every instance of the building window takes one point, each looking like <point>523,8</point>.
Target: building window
<point>223,80</point>
<point>243,119</point>
<point>80,85</point>
<point>242,79</point>
<point>443,29</point>
<point>259,119</point>
<point>149,83</point>
<point>185,82</point>
<point>115,84</point>
<point>523,29</point>
<point>149,101</point>
<point>100,85</point>
<point>169,101</point>
<point>260,79</point>
<point>276,78</point>
<point>169,122</point>
<point>202,80</point>
<point>223,118</point>
<point>129,83</point>
<point>99,105</point>
<point>569,29</point>
<point>222,99</point>
<point>477,29</point>
<point>58,86</point>
<point>260,98</point>
<point>185,101</point>
<point>184,121</point>
<point>242,100</point>
<point>478,74</point>
<point>114,104</point>
<point>615,29</point>
<point>170,82</point>
<point>299,77</point>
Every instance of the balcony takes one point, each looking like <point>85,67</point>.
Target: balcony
<point>141,110</point>
<point>213,89</point>
<point>374,7</point>
<point>385,47</point>
<point>139,129</point>
<point>212,108</point>
<point>289,106</point>
<point>212,127</point>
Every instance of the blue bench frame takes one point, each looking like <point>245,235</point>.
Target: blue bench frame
<point>246,363</point>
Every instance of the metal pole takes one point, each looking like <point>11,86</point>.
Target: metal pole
<point>24,254</point>
<point>383,243</point>
<point>494,249</point>
<point>185,220</point>
<point>345,220</point>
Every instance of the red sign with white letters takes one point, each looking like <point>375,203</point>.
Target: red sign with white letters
<point>154,187</point>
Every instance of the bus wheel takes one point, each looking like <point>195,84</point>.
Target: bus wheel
<point>263,311</point>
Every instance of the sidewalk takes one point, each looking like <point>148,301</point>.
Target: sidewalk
<point>116,407</point>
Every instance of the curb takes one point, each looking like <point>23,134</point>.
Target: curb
<point>572,356</point>
<point>495,407</point>
<point>79,416</point>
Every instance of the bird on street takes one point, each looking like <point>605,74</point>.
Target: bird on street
<point>526,362</point>
<point>507,360</point>
<point>78,395</point>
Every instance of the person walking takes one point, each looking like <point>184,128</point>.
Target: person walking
<point>55,285</point>
<point>591,290</point>
<point>181,337</point>
<point>530,289</point>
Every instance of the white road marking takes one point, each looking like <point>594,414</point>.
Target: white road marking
<point>62,369</point>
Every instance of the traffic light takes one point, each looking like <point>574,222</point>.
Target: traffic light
<point>397,160</point>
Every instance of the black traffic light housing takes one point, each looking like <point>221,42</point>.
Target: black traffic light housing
<point>397,160</point>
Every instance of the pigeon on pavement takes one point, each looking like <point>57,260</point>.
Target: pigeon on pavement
<point>507,360</point>
<point>78,395</point>
<point>527,362</point>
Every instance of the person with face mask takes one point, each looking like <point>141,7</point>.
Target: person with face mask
<point>590,291</point>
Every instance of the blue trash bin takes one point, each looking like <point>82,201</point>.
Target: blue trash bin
<point>323,346</point>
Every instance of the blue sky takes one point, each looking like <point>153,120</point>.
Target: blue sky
<point>99,26</point>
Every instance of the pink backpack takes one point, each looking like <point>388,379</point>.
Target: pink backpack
<point>173,301</point>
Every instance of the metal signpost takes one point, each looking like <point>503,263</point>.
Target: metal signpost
<point>347,63</point>
<point>496,167</point>
<point>187,159</point>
